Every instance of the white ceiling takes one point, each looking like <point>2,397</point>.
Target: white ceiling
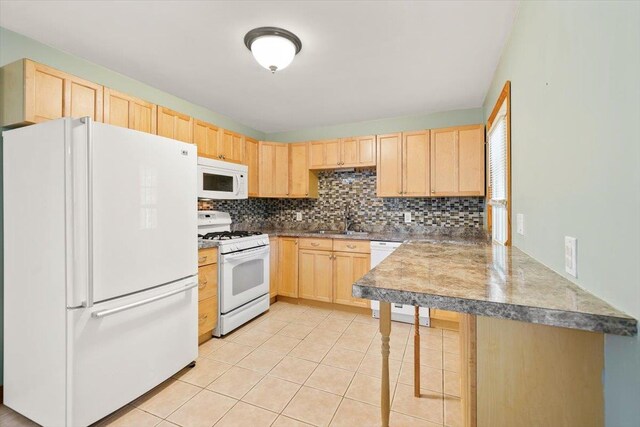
<point>359,60</point>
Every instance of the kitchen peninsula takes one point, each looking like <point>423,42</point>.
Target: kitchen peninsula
<point>530,339</point>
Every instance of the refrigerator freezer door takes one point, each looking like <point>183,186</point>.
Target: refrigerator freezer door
<point>144,211</point>
<point>120,349</point>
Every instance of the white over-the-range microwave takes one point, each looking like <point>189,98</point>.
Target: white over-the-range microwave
<point>220,180</point>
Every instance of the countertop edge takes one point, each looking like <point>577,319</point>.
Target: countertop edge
<point>543,316</point>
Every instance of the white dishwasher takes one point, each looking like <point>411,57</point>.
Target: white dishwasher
<point>399,312</point>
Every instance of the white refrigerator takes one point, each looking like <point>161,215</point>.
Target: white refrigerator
<point>100,267</point>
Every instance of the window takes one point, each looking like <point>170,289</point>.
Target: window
<point>499,185</point>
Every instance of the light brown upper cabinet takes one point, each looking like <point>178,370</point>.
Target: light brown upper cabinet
<point>175,125</point>
<point>251,160</point>
<point>389,171</point>
<point>231,146</point>
<point>273,169</point>
<point>129,112</point>
<point>415,164</point>
<point>359,151</point>
<point>205,136</point>
<point>33,93</point>
<point>457,161</point>
<point>403,164</point>
<point>302,181</point>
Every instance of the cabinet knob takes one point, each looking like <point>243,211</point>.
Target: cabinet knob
<point>202,259</point>
<point>315,244</point>
<point>306,194</point>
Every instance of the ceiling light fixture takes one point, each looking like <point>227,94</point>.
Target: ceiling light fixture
<point>274,48</point>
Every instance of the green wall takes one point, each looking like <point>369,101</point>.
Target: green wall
<point>377,127</point>
<point>575,81</point>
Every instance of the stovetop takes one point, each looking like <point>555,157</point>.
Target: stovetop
<point>228,235</point>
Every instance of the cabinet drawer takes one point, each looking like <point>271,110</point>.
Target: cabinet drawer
<point>451,316</point>
<point>207,281</point>
<point>359,246</point>
<point>207,256</point>
<point>316,244</point>
<point>207,315</point>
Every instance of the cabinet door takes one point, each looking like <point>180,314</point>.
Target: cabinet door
<point>298,170</point>
<point>231,146</point>
<point>389,174</point>
<point>367,150</point>
<point>333,153</point>
<point>84,99</point>
<point>207,281</point>
<point>273,266</point>
<point>281,170</point>
<point>266,159</point>
<point>288,267</point>
<point>44,92</point>
<point>251,160</point>
<point>51,94</point>
<point>315,275</point>
<point>471,162</point>
<point>349,154</point>
<point>444,162</point>
<point>317,153</point>
<point>347,269</point>
<point>205,136</point>
<point>415,164</point>
<point>129,112</point>
<point>143,116</point>
<point>172,124</point>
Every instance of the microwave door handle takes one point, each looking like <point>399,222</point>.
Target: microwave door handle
<point>237,180</point>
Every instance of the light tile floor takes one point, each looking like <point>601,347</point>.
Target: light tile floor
<point>300,366</point>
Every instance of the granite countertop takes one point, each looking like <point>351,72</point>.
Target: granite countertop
<point>488,280</point>
<point>435,234</point>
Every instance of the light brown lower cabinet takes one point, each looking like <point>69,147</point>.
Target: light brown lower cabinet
<point>327,274</point>
<point>315,275</point>
<point>273,266</point>
<point>348,268</point>
<point>288,267</point>
<point>207,292</point>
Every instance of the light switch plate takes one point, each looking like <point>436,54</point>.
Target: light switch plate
<point>520,224</point>
<point>298,216</point>
<point>407,217</point>
<point>571,255</point>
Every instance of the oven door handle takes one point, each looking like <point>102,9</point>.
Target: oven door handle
<point>245,254</point>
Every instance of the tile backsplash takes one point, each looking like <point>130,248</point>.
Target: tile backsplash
<point>357,190</point>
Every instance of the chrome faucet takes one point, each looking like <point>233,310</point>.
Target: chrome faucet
<point>347,214</point>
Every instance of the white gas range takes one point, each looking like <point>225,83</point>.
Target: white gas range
<point>243,270</point>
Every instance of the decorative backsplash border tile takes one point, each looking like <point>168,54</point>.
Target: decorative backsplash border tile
<point>355,190</point>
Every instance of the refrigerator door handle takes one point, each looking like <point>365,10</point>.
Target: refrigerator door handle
<point>89,301</point>
<point>104,313</point>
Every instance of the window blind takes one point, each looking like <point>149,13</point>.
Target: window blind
<point>498,176</point>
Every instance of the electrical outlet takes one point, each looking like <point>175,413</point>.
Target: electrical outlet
<point>298,216</point>
<point>520,224</point>
<point>571,255</point>
<point>407,217</point>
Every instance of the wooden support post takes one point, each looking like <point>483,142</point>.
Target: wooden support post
<point>385,331</point>
<point>416,354</point>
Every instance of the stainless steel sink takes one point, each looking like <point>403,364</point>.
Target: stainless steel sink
<point>348,233</point>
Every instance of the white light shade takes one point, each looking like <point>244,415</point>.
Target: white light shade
<point>273,52</point>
